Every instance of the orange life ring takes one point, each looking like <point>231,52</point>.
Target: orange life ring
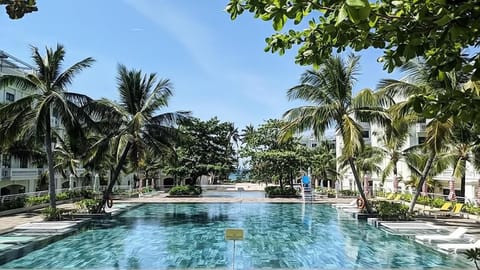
<point>360,203</point>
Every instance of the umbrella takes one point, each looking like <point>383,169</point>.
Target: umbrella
<point>395,184</point>
<point>451,185</point>
<point>478,192</point>
<point>424,189</point>
<point>70,182</point>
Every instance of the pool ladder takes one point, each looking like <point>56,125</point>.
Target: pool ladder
<point>307,193</point>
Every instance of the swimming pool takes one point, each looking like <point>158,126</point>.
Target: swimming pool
<point>160,236</point>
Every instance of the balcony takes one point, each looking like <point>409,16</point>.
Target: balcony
<point>20,173</point>
<point>421,127</point>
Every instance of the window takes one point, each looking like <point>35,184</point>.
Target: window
<point>6,161</point>
<point>314,145</point>
<point>365,134</point>
<point>23,162</point>
<point>9,97</point>
<point>421,140</point>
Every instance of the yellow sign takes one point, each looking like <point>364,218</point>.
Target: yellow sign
<point>234,234</point>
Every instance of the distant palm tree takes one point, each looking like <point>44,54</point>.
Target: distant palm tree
<point>419,88</point>
<point>329,90</point>
<point>392,143</point>
<point>31,116</point>
<point>133,126</point>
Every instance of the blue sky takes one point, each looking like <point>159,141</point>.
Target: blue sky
<point>217,66</point>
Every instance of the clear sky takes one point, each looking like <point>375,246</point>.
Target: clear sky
<point>218,67</point>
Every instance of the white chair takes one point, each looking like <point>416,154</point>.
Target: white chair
<point>457,234</point>
<point>456,247</point>
<point>346,205</point>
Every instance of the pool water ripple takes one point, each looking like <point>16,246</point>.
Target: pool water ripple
<point>161,236</point>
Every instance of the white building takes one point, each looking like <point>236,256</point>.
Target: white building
<point>372,134</point>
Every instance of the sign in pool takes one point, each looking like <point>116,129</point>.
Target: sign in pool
<point>234,234</point>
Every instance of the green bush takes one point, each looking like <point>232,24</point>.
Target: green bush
<point>185,190</point>
<point>54,214</point>
<point>437,202</point>
<point>471,209</point>
<point>347,192</point>
<point>31,201</point>
<point>407,197</point>
<point>88,205</point>
<point>18,202</point>
<point>277,191</point>
<point>392,211</point>
<point>62,196</point>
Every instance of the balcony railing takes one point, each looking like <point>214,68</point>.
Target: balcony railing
<point>21,173</point>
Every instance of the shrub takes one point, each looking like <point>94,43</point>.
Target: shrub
<point>277,191</point>
<point>437,202</point>
<point>392,211</point>
<point>54,214</point>
<point>87,205</point>
<point>18,202</point>
<point>407,197</point>
<point>31,201</point>
<point>347,192</point>
<point>185,190</point>
<point>62,196</point>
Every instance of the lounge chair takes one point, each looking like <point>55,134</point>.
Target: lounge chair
<point>445,208</point>
<point>398,197</point>
<point>346,205</point>
<point>390,196</point>
<point>456,247</point>
<point>455,212</point>
<point>457,234</point>
<point>16,239</point>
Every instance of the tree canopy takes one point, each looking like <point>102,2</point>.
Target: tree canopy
<point>438,30</point>
<point>16,9</point>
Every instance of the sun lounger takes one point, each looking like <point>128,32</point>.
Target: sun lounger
<point>456,247</point>
<point>346,205</point>
<point>398,197</point>
<point>402,226</point>
<point>455,212</point>
<point>390,196</point>
<point>457,234</point>
<point>445,208</point>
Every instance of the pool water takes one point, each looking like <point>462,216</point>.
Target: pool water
<point>160,236</point>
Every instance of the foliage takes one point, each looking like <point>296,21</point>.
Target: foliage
<point>269,157</point>
<point>274,191</point>
<point>204,148</point>
<point>30,118</point>
<point>471,209</point>
<point>347,192</point>
<point>54,214</point>
<point>473,255</point>
<point>16,9</point>
<point>18,202</point>
<point>392,211</point>
<point>87,205</point>
<point>329,94</point>
<point>133,126</point>
<point>188,190</point>
<point>439,31</point>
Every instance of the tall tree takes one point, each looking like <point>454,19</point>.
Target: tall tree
<point>329,91</point>
<point>133,124</point>
<point>31,116</point>
<point>16,9</point>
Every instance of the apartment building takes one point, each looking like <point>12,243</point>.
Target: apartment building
<point>372,135</point>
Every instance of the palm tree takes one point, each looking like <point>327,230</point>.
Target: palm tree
<point>421,90</point>
<point>132,126</point>
<point>329,89</point>
<point>31,116</point>
<point>464,148</point>
<point>392,142</point>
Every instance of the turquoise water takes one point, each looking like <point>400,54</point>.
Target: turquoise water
<point>161,236</point>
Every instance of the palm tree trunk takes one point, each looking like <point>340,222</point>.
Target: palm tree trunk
<point>462,180</point>
<point>51,171</point>
<point>359,184</point>
<point>114,178</point>
<point>425,172</point>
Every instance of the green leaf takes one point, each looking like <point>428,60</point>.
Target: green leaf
<point>342,15</point>
<point>358,14</point>
<point>357,3</point>
<point>279,21</point>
